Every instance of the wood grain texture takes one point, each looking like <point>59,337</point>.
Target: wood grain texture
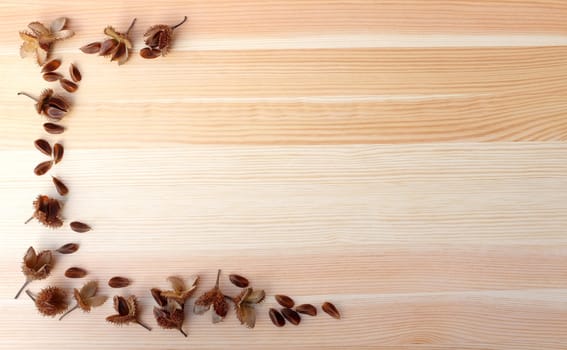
<point>402,159</point>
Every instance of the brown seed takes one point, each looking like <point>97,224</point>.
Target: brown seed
<point>331,310</point>
<point>43,146</point>
<point>79,227</point>
<point>118,282</point>
<point>68,248</point>
<point>284,300</point>
<point>91,48</point>
<point>58,151</point>
<point>51,65</point>
<point>43,167</point>
<point>292,316</point>
<point>239,281</point>
<point>60,186</point>
<point>68,85</point>
<point>150,53</point>
<point>75,73</point>
<point>276,317</point>
<point>53,128</point>
<point>52,76</point>
<point>306,309</point>
<point>107,47</point>
<point>75,272</point>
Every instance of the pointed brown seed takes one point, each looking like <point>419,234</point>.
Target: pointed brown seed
<point>43,167</point>
<point>79,227</point>
<point>107,47</point>
<point>118,282</point>
<point>239,281</point>
<point>60,186</point>
<point>331,310</point>
<point>307,309</point>
<point>53,128</point>
<point>43,146</point>
<point>276,317</point>
<point>284,300</point>
<point>91,48</point>
<point>51,65</point>
<point>75,73</point>
<point>292,316</point>
<point>75,272</point>
<point>68,85</point>
<point>52,76</point>
<point>58,151</point>
<point>150,53</point>
<point>68,248</point>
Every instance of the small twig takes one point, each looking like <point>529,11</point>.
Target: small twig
<point>180,23</point>
<point>28,95</point>
<point>143,325</point>
<point>131,25</point>
<point>69,311</point>
<point>21,289</point>
<point>30,295</point>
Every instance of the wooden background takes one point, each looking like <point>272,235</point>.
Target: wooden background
<point>403,159</point>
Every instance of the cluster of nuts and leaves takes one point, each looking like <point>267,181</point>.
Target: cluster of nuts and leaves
<point>52,300</point>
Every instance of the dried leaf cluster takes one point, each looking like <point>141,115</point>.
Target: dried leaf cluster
<point>50,301</point>
<point>47,211</point>
<point>214,298</point>
<point>158,38</point>
<point>127,311</point>
<point>52,106</point>
<point>36,266</point>
<point>171,311</point>
<point>39,38</point>
<point>118,45</point>
<point>86,298</point>
<point>244,305</point>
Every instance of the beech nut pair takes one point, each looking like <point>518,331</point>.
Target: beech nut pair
<point>158,39</point>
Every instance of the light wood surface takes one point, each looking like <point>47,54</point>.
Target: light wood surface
<point>402,159</point>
